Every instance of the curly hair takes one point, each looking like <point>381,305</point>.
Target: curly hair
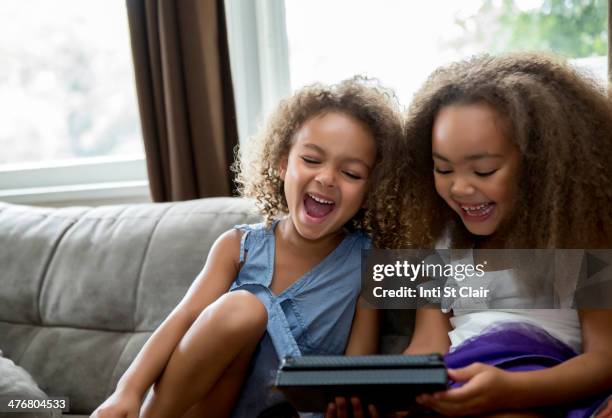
<point>560,120</point>
<point>257,166</point>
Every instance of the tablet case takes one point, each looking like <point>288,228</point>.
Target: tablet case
<point>391,382</point>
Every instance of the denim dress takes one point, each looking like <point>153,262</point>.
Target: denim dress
<point>312,316</point>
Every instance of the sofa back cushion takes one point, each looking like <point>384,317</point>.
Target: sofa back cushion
<point>81,289</point>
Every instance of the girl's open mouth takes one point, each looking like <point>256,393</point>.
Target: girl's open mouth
<point>317,207</point>
<point>477,213</point>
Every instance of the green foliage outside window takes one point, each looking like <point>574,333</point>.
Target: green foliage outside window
<point>573,28</point>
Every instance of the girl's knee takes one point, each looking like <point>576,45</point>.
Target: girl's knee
<point>242,312</point>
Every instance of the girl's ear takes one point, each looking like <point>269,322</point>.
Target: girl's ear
<point>283,166</point>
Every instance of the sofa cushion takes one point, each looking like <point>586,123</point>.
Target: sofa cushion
<point>16,382</point>
<point>83,288</point>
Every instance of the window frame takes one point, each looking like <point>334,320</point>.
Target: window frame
<point>86,181</point>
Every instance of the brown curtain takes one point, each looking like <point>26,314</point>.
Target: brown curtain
<point>185,96</point>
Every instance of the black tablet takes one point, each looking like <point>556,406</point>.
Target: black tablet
<point>391,382</point>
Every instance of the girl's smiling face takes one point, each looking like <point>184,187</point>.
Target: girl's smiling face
<point>476,166</point>
<point>326,173</point>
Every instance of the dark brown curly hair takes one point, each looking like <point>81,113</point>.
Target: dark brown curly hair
<point>257,166</point>
<point>561,121</point>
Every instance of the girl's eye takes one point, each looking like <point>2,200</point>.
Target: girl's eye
<point>440,171</point>
<point>352,176</point>
<point>310,160</point>
<point>484,174</point>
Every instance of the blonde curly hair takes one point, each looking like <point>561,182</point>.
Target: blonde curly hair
<point>560,120</point>
<point>257,165</point>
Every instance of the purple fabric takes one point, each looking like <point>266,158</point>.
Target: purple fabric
<point>519,347</point>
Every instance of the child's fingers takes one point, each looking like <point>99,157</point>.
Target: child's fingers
<point>331,410</point>
<point>606,412</point>
<point>356,405</point>
<point>341,410</point>
<point>442,407</point>
<point>466,373</point>
<point>461,394</point>
<point>455,396</point>
<point>373,411</point>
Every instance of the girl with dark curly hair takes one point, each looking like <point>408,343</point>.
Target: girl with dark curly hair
<point>512,152</point>
<point>508,152</point>
<point>286,287</point>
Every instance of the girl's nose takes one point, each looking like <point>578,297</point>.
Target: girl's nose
<point>460,187</point>
<point>326,178</point>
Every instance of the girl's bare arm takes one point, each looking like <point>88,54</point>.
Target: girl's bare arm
<point>215,279</point>
<point>362,341</point>
<point>430,334</point>
<point>364,331</point>
<point>585,375</point>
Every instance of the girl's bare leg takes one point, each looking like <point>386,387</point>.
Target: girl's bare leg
<point>220,400</point>
<point>217,343</point>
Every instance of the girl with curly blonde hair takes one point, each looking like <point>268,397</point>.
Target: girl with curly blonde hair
<point>510,152</point>
<point>288,286</point>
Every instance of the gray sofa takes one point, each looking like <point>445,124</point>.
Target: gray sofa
<point>81,289</point>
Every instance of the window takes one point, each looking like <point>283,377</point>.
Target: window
<point>68,104</point>
<point>278,46</point>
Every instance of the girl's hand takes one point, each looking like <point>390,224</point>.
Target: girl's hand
<point>339,409</point>
<point>487,389</point>
<point>121,404</point>
<point>606,412</point>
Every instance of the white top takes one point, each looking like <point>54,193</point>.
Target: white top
<point>562,324</point>
<point>471,316</point>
